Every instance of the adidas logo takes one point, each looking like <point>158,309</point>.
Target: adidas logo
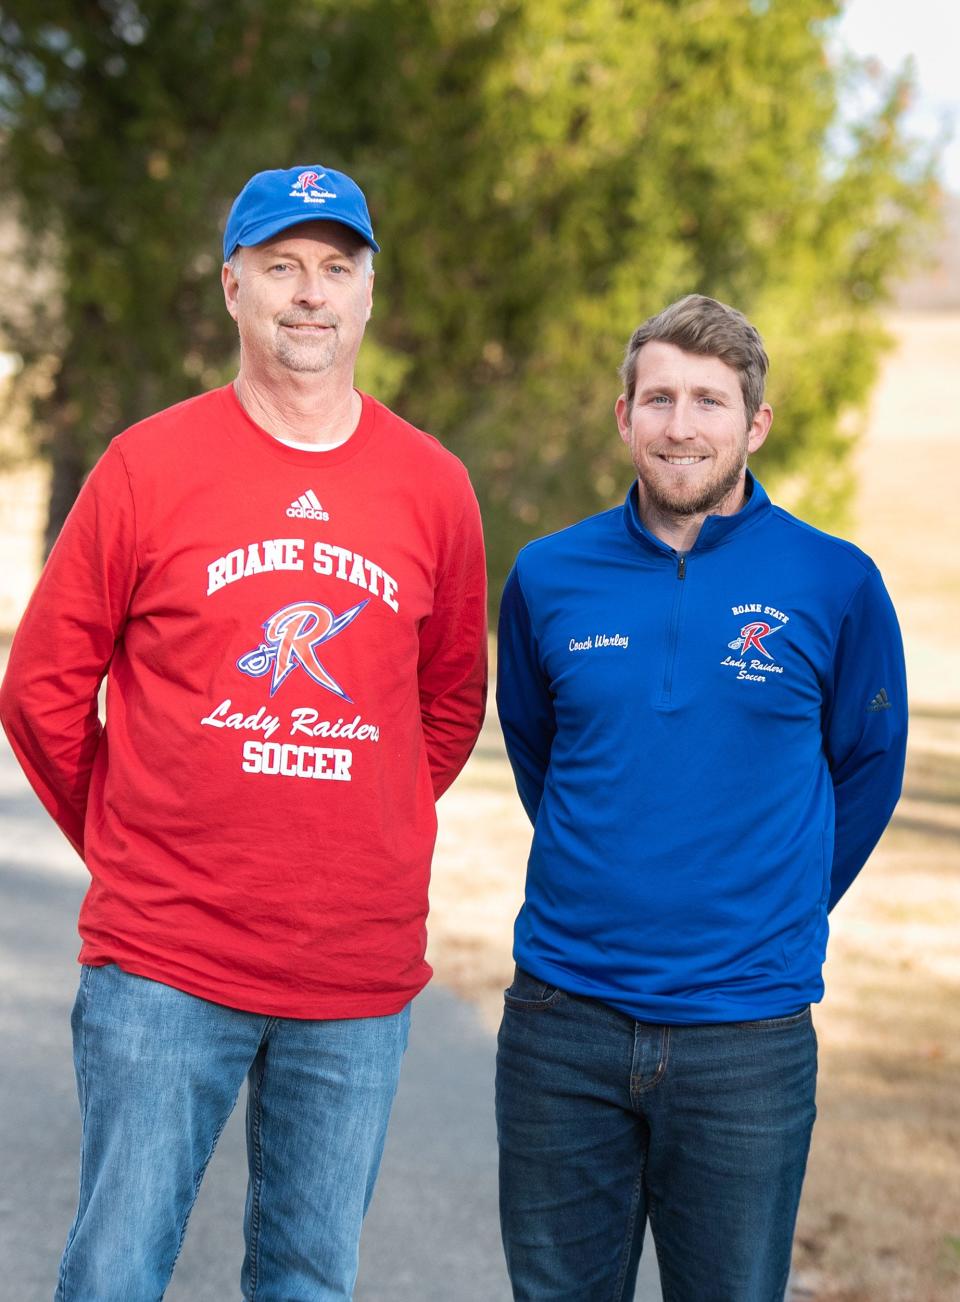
<point>307,507</point>
<point>880,702</point>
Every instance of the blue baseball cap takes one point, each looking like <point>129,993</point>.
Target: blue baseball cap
<point>272,201</point>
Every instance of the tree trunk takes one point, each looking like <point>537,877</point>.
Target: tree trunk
<point>68,469</point>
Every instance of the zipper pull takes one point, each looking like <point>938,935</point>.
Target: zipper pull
<point>681,565</point>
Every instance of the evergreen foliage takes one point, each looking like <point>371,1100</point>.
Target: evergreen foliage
<point>542,175</point>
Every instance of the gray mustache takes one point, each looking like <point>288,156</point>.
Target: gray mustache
<point>310,320</point>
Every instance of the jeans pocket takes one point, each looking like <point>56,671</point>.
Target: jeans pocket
<point>528,994</point>
<point>778,1023</point>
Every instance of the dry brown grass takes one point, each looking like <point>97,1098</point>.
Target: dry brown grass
<point>880,1219</point>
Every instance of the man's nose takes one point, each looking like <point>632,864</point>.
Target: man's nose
<point>682,422</point>
<point>311,289</point>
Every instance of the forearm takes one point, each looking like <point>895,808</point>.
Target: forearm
<point>55,744</point>
<point>65,642</point>
<point>867,732</point>
<point>452,669</point>
<point>523,697</point>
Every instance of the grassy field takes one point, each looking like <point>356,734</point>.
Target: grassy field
<point>880,1219</point>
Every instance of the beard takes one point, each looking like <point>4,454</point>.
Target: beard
<point>308,353</point>
<point>669,495</point>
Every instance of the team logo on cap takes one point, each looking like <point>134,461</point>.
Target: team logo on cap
<point>308,187</point>
<point>291,636</point>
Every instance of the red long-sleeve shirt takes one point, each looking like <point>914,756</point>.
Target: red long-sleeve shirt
<point>294,644</point>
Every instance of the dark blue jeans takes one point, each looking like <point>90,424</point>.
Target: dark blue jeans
<point>605,1123</point>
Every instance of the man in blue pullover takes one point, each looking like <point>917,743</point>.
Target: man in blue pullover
<point>704,704</point>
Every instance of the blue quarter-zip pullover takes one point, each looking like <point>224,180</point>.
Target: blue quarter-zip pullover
<point>708,744</point>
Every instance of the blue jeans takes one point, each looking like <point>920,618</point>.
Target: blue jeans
<point>158,1074</point>
<point>605,1123</point>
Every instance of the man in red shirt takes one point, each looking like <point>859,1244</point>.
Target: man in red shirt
<point>283,584</point>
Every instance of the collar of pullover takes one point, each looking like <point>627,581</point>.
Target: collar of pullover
<point>717,529</point>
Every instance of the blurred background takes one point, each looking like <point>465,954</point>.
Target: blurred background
<point>543,174</point>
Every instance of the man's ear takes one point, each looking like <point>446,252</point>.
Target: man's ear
<point>623,417</point>
<point>759,427</point>
<point>230,283</point>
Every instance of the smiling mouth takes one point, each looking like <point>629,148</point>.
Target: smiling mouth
<point>680,461</point>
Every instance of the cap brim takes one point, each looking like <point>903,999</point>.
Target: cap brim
<point>266,229</point>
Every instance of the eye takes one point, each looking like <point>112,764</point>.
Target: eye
<point>710,402</point>
<point>659,399</point>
